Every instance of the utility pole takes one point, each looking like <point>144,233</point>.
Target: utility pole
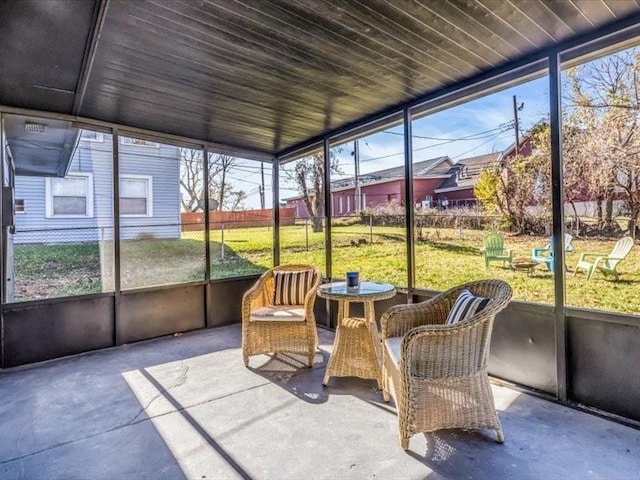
<point>356,160</point>
<point>516,109</point>
<point>261,187</point>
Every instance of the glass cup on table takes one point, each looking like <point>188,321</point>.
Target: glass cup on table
<point>353,280</point>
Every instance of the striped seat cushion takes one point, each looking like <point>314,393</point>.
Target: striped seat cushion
<point>465,307</point>
<point>292,287</point>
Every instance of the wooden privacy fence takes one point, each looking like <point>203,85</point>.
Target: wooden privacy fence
<point>194,221</point>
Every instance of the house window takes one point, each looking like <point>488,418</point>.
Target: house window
<point>364,200</point>
<point>339,204</point>
<point>71,196</point>
<point>136,196</point>
<point>138,142</point>
<point>348,204</point>
<point>92,136</point>
<point>19,207</point>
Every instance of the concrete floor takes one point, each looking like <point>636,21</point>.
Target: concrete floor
<point>187,407</point>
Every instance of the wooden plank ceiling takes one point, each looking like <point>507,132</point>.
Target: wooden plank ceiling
<point>266,75</point>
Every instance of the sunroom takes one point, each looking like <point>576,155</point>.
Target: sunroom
<point>159,156</point>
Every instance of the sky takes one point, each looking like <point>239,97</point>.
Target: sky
<point>488,120</point>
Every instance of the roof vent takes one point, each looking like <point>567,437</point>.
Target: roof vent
<point>33,127</point>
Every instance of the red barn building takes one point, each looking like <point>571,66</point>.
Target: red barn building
<point>382,187</point>
<point>437,182</point>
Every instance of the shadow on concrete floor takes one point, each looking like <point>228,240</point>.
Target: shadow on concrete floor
<point>187,407</point>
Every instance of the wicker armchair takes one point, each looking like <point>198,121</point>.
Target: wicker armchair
<point>437,373</point>
<point>295,332</point>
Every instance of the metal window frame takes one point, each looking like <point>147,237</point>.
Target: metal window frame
<point>578,49</point>
<point>408,202</point>
<point>208,308</point>
<point>275,197</point>
<point>557,215</point>
<point>115,208</point>
<point>548,63</point>
<point>328,206</point>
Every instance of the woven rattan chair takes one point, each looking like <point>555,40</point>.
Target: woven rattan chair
<point>437,373</point>
<point>292,332</point>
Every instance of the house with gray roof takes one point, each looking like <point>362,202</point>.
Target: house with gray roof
<point>462,177</point>
<point>382,187</point>
<point>437,182</point>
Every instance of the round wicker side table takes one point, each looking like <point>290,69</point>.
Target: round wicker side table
<point>357,351</point>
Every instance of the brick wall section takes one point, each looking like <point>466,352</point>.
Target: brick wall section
<point>194,221</point>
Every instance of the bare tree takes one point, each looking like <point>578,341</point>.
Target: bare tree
<point>575,169</point>
<point>601,148</point>
<point>226,196</point>
<point>519,190</point>
<point>309,177</point>
<point>191,179</point>
<point>603,104</point>
<point>219,166</point>
<point>234,200</point>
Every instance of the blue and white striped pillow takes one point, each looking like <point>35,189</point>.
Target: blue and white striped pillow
<point>292,287</point>
<point>465,307</point>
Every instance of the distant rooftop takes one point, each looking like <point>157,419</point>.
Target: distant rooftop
<point>465,173</point>
<point>431,168</point>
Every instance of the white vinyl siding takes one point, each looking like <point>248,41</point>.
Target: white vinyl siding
<point>70,197</point>
<point>136,196</point>
<point>96,157</point>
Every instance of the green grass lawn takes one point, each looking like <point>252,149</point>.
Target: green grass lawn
<point>444,257</point>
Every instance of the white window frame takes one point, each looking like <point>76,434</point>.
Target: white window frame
<point>149,180</point>
<point>348,204</point>
<point>363,200</point>
<point>49,196</point>
<point>340,204</point>
<point>24,206</point>
<point>99,137</point>
<point>147,144</point>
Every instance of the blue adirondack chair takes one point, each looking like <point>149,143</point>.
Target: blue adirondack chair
<point>545,254</point>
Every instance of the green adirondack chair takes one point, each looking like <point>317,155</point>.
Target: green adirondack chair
<point>494,250</point>
<point>607,264</point>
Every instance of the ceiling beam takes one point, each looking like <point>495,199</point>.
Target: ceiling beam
<point>99,15</point>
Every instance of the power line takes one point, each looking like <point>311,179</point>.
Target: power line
<point>242,180</point>
<point>445,142</point>
<point>467,137</point>
<point>477,146</point>
<point>235,168</point>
